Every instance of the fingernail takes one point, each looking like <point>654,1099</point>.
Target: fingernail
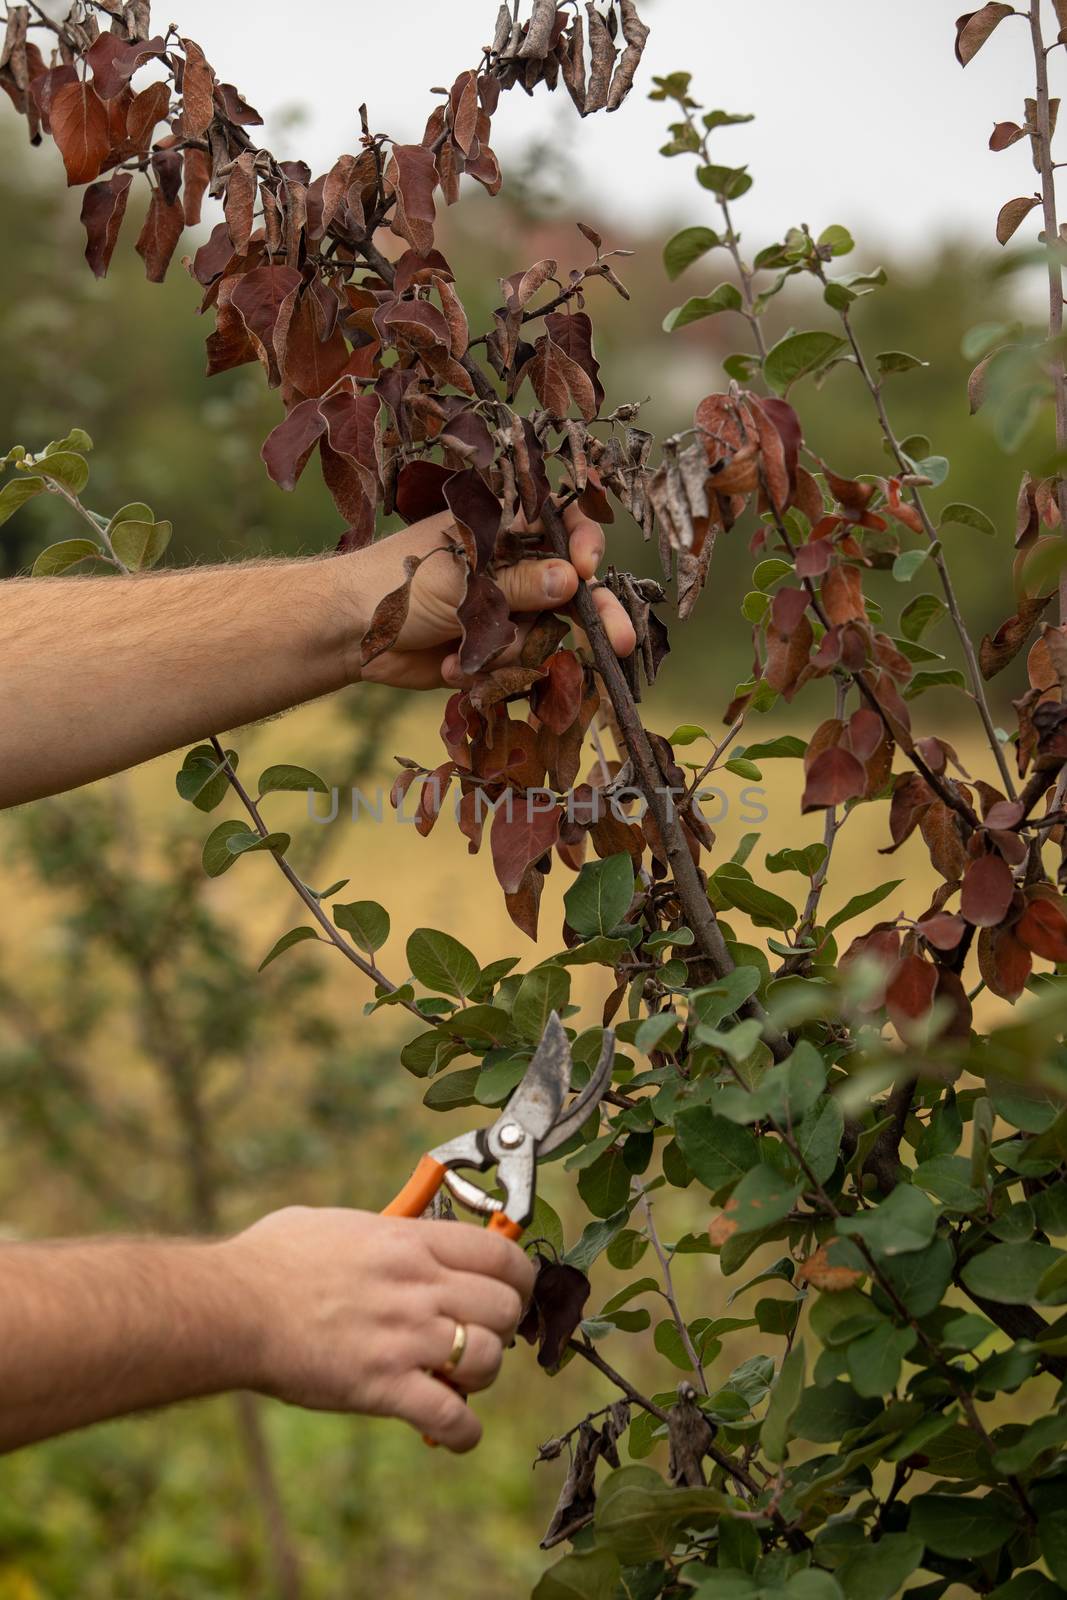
<point>557,581</point>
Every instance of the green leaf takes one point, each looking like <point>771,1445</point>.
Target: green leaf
<point>441,963</point>
<point>65,467</point>
<point>908,563</point>
<point>686,247</point>
<point>785,1398</point>
<point>807,860</point>
<point>202,779</point>
<point>582,1575</point>
<point>59,557</point>
<point>136,511</point>
<point>836,239</point>
<point>767,910</point>
<point>717,1001</point>
<point>140,545</point>
<point>742,768</point>
<point>762,1198</point>
<point>879,1571</point>
<point>297,779</point>
<point>1048,1433</point>
<point>962,1526</point>
<point>597,1237</point>
<point>726,119</point>
<point>820,1138</point>
<point>862,902</point>
<point>824,1414</point>
<point>600,896</point>
<point>767,573</point>
<point>919,614</point>
<point>727,297</point>
<point>453,1090</point>
<point>891,361</point>
<point>605,1185</point>
<point>787,745</point>
<point>286,942</point>
<point>229,840</point>
<point>718,1151</point>
<point>368,924</point>
<point>905,1220</point>
<point>76,439</point>
<point>967,517</point>
<point>1052,1537</point>
<point>920,1278</point>
<point>950,679</point>
<point>874,1359</point>
<point>948,1178</point>
<point>15,494</point>
<point>726,183</point>
<point>1010,1273</point>
<point>638,1515</point>
<point>798,355</point>
<point>687,733</point>
<point>595,952</point>
<point>541,992</point>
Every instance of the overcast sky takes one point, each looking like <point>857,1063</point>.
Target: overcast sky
<point>861,107</point>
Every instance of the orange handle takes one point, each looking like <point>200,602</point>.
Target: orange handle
<point>499,1223</point>
<point>419,1190</point>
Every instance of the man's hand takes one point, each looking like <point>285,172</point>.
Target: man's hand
<point>104,672</point>
<point>356,1311</point>
<point>425,654</point>
<point>334,1310</point>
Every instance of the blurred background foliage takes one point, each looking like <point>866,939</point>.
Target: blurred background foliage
<point>150,1078</point>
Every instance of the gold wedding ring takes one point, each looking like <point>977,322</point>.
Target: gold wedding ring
<point>455,1355</point>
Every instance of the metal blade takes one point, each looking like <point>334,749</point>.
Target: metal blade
<point>582,1107</point>
<point>538,1100</point>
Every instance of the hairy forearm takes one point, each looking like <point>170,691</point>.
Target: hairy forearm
<point>102,673</point>
<point>97,1329</point>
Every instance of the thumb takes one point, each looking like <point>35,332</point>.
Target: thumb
<point>538,585</point>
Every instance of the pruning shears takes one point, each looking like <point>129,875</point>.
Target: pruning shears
<point>531,1126</point>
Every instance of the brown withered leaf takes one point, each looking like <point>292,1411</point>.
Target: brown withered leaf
<point>158,240</point>
<point>258,299</point>
<point>572,332</point>
<point>287,447</point>
<point>942,930</point>
<point>998,650</point>
<point>842,595</point>
<point>113,61</point>
<point>196,176</point>
<point>478,516</point>
<point>1042,928</point>
<point>239,201</point>
<point>602,61</point>
<point>389,617</point>
<point>524,828</point>
<point>80,128</point>
<point>486,622</point>
<point>146,111</point>
<point>909,995</point>
<point>1013,214</point>
<point>819,1271</point>
<point>787,658</point>
<point>834,777</point>
<point>524,906</point>
<point>558,381</point>
<point>103,208</point>
<point>198,85</point>
<point>635,37</point>
<point>987,891</point>
<point>557,699</point>
<point>412,171</point>
<point>939,827</point>
<point>975,27</point>
<point>690,1434</point>
<point>1005,134</point>
<point>1004,963</point>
